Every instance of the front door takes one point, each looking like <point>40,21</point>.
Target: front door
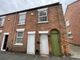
<point>55,43</point>
<point>44,48</point>
<point>31,44</point>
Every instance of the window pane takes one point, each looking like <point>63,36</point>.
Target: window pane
<point>19,40</point>
<point>22,17</point>
<point>21,21</point>
<point>69,34</point>
<point>42,13</point>
<point>20,34</point>
<point>2,19</point>
<point>43,18</point>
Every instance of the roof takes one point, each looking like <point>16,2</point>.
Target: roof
<point>53,4</point>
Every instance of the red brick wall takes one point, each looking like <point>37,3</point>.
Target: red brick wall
<point>73,15</point>
<point>55,21</point>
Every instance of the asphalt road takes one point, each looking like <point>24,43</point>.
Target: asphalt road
<point>20,56</point>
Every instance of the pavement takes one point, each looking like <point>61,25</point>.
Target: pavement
<point>22,56</point>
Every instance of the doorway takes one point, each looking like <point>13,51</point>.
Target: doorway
<point>31,43</point>
<point>55,43</point>
<point>44,48</point>
<point>4,42</point>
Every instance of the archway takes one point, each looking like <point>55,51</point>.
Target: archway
<point>55,42</point>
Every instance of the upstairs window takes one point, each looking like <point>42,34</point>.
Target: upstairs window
<point>22,18</point>
<point>42,15</point>
<point>2,19</point>
<point>67,23</point>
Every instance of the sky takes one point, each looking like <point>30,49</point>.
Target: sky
<point>8,6</point>
<point>65,3</point>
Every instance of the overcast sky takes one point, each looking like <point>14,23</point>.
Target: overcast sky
<point>8,6</point>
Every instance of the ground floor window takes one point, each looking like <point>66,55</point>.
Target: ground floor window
<point>19,37</point>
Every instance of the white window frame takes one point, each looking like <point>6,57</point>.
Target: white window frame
<point>19,30</point>
<point>3,20</point>
<point>21,14</point>
<point>43,9</point>
<point>67,22</point>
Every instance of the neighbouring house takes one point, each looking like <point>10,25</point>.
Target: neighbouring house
<point>72,19</point>
<point>39,30</point>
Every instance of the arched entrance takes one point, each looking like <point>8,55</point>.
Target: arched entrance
<point>55,43</point>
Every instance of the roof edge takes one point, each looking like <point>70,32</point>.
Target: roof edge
<point>53,4</point>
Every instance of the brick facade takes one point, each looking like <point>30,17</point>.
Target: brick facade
<point>73,16</point>
<point>55,21</point>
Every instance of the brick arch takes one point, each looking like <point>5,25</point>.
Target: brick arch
<point>54,30</point>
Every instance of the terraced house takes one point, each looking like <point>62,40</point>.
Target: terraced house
<point>38,30</point>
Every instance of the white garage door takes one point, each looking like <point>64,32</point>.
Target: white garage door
<point>44,49</point>
<point>31,43</point>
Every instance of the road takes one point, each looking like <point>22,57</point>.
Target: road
<point>21,56</point>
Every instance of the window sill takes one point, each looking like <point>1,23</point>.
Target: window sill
<point>21,24</point>
<point>18,44</point>
<point>43,22</point>
<point>67,25</point>
<point>70,37</point>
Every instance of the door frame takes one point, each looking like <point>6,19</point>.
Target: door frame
<point>3,41</point>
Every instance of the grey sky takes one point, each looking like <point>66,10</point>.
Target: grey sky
<point>65,3</point>
<point>8,6</point>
